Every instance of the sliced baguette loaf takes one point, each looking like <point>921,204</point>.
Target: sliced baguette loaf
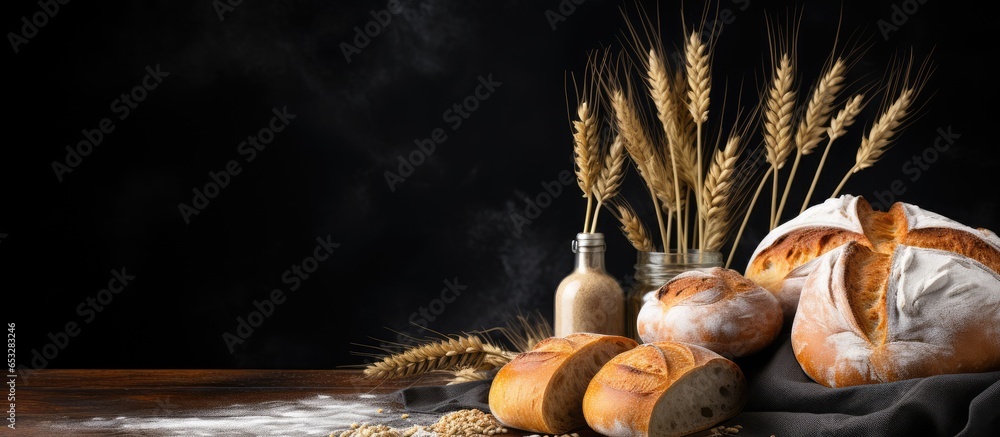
<point>664,389</point>
<point>542,390</point>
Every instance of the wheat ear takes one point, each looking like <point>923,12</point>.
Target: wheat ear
<point>639,147</point>
<point>586,154</point>
<point>838,127</point>
<point>812,126</point>
<point>663,99</point>
<point>699,87</point>
<point>687,158</point>
<point>881,135</point>
<point>718,195</point>
<point>609,181</point>
<point>632,227</point>
<point>468,374</point>
<point>778,124</point>
<point>452,353</point>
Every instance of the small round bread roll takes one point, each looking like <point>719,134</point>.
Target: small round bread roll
<point>664,389</point>
<point>715,308</point>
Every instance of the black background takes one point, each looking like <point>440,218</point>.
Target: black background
<point>325,173</point>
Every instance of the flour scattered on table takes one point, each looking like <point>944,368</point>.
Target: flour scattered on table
<point>310,416</point>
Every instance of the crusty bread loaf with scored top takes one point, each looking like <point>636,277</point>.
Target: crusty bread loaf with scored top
<point>870,317</point>
<point>789,253</point>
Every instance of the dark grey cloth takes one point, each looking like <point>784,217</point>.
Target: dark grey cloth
<point>443,398</point>
<point>785,402</point>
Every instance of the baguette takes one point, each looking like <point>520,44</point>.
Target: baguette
<point>542,390</point>
<point>664,389</point>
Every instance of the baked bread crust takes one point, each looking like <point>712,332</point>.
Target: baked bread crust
<point>715,308</point>
<point>542,390</point>
<point>664,389</point>
<point>785,258</point>
<point>869,317</point>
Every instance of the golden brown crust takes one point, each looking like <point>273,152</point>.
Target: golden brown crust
<point>867,317</point>
<point>714,308</point>
<point>522,391</point>
<point>883,230</point>
<point>623,395</point>
<point>770,267</point>
<point>728,281</point>
<point>957,241</point>
<point>866,278</point>
<point>681,289</point>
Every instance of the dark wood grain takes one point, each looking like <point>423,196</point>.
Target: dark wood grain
<point>107,402</point>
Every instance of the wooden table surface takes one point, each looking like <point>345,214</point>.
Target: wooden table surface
<point>208,402</point>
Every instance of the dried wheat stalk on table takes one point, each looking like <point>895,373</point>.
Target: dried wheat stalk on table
<point>450,354</point>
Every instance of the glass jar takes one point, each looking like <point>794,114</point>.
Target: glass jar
<point>589,299</point>
<point>653,270</point>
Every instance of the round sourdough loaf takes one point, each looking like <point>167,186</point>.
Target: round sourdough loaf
<point>664,389</point>
<point>867,316</point>
<point>715,308</point>
<point>789,253</point>
<point>542,390</point>
<point>783,259</point>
